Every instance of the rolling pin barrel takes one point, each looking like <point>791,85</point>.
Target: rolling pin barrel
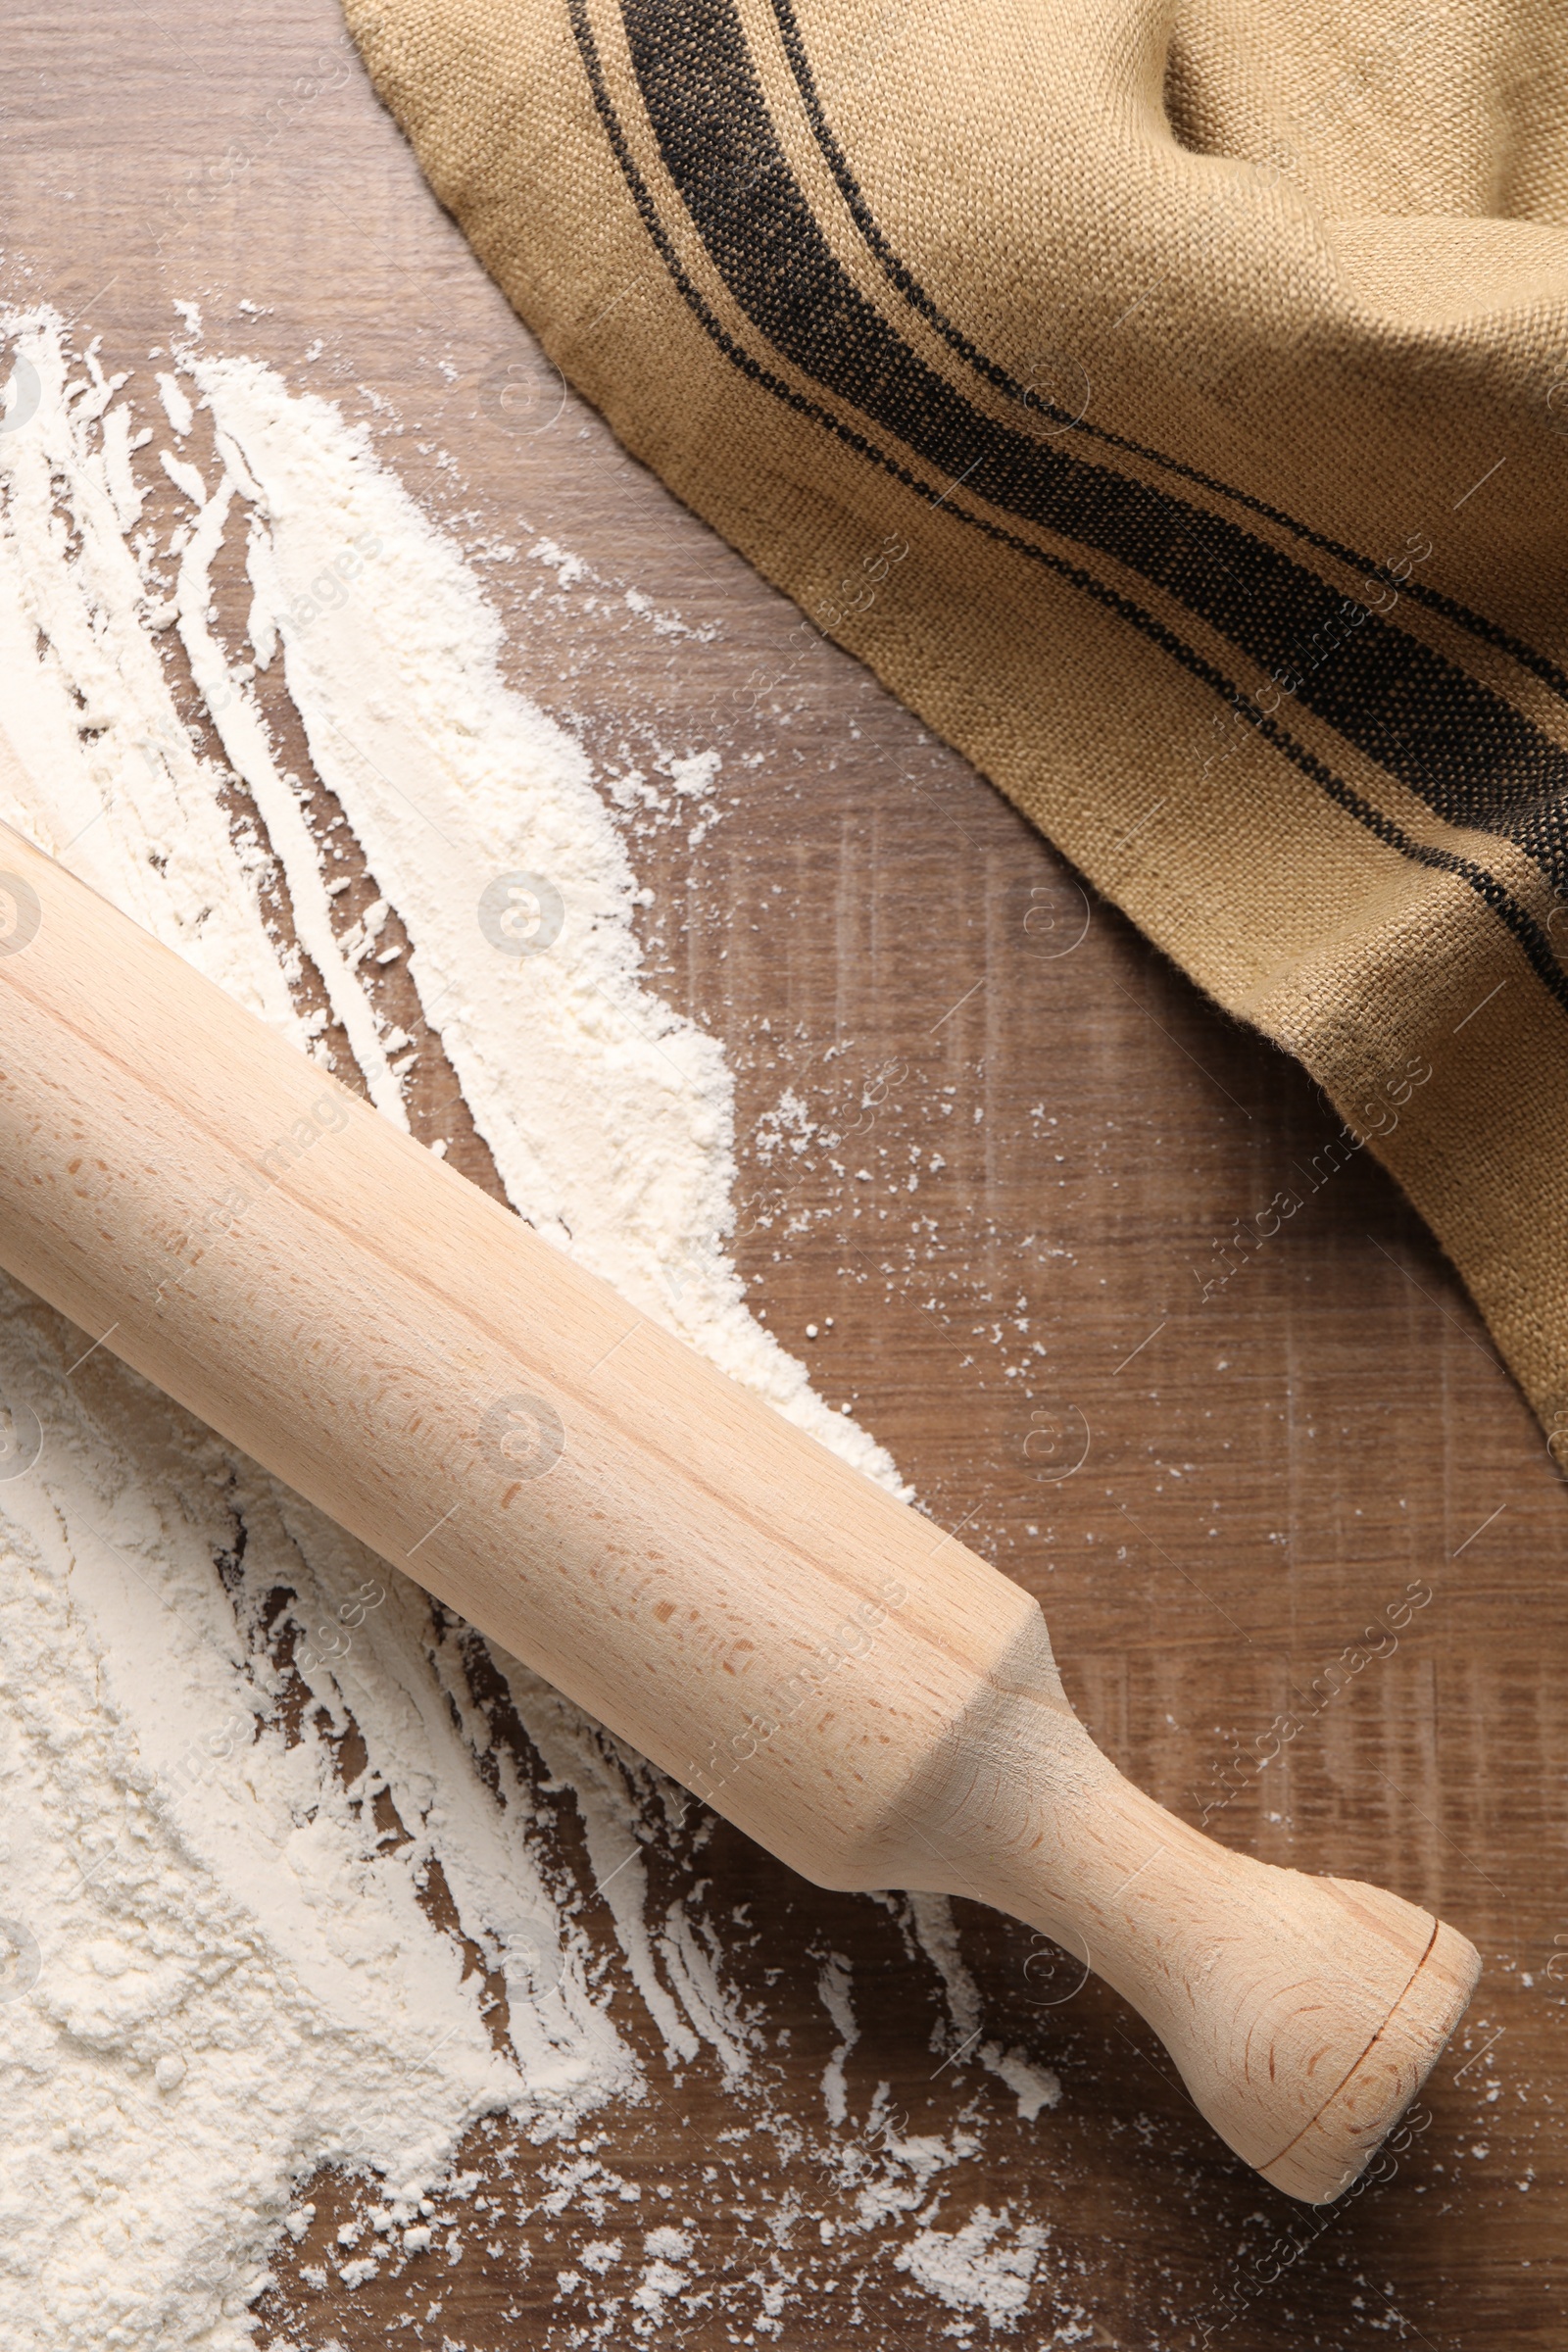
<point>851,1687</point>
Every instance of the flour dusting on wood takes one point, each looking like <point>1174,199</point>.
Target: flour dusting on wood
<point>287,1882</point>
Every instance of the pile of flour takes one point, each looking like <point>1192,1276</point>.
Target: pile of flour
<point>219,1964</point>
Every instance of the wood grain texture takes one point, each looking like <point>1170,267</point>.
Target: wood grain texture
<point>1266,1472</point>
<point>694,1572</point>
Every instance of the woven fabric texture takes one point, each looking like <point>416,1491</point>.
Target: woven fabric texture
<point>1171,407</point>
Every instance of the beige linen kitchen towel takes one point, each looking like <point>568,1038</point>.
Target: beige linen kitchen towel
<point>1171,405</point>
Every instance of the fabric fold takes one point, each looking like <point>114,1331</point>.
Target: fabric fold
<point>1171,407</point>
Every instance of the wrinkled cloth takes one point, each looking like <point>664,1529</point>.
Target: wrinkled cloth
<point>1171,407</point>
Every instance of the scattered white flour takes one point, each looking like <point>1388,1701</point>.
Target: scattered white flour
<point>969,2269</point>
<point>833,1985</point>
<point>219,1967</point>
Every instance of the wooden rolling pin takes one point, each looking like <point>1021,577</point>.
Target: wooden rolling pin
<point>845,1683</point>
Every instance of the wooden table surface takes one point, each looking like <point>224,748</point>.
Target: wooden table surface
<point>1265,1469</point>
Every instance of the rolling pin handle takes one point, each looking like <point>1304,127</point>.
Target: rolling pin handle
<point>1302,2012</point>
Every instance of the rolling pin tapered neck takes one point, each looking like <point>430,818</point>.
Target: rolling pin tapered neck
<point>1302,2012</point>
